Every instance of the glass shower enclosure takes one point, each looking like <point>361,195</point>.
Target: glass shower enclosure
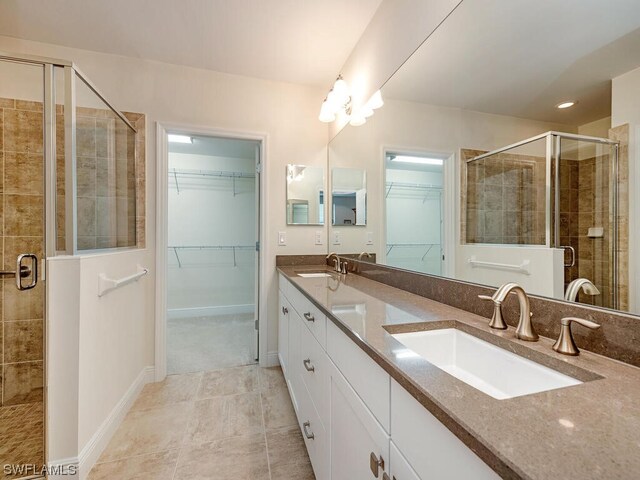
<point>556,190</point>
<point>66,157</point>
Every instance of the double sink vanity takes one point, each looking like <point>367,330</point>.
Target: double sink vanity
<point>392,385</point>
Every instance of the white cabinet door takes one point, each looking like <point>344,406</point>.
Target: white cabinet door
<point>432,450</point>
<point>400,468</point>
<point>357,441</point>
<point>283,332</point>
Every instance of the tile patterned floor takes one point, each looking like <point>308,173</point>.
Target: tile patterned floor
<point>208,343</point>
<point>21,436</point>
<point>233,423</point>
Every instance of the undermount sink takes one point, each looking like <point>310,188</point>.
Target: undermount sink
<point>480,364</point>
<point>313,275</point>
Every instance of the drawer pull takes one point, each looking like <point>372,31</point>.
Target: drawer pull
<point>308,366</point>
<point>305,427</point>
<point>309,318</point>
<point>285,310</point>
<point>375,464</point>
<point>386,477</point>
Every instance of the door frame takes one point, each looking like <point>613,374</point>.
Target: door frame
<point>449,205</point>
<point>162,229</point>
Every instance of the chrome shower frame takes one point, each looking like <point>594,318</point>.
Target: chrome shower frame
<point>552,207</point>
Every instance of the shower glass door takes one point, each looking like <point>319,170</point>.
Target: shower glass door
<point>22,294</point>
<point>586,215</point>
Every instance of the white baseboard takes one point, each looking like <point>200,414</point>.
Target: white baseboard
<point>95,446</point>
<point>65,468</point>
<point>209,311</point>
<point>271,359</point>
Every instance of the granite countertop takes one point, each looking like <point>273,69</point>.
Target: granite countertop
<point>587,431</point>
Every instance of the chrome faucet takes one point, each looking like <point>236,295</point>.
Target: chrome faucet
<point>362,254</point>
<point>524,330</point>
<point>336,261</point>
<point>565,343</point>
<point>574,288</point>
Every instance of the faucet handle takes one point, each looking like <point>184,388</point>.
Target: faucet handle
<point>565,343</point>
<point>497,321</point>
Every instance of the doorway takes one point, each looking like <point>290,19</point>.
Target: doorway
<point>415,211</point>
<point>213,229</point>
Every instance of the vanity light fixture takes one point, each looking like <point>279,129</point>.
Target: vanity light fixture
<point>339,100</point>
<point>419,160</point>
<point>179,138</point>
<point>564,105</point>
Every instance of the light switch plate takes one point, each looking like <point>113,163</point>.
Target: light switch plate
<point>336,238</point>
<point>282,238</point>
<point>369,238</point>
<point>318,237</point>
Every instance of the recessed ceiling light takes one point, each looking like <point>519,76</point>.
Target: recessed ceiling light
<point>565,105</point>
<point>180,138</point>
<point>420,160</point>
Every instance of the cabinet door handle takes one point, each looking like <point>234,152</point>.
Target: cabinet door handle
<point>309,318</point>
<point>386,477</point>
<point>305,427</point>
<point>308,366</point>
<point>285,310</point>
<point>375,464</point>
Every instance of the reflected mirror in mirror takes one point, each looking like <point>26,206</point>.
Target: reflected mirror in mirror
<point>305,195</point>
<point>536,194</point>
<point>348,197</point>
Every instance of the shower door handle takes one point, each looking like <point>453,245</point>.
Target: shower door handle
<point>23,271</point>
<point>573,255</point>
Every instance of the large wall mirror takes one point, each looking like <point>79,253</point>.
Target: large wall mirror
<point>305,195</point>
<point>502,152</point>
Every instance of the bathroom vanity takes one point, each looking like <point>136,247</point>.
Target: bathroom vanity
<point>371,404</point>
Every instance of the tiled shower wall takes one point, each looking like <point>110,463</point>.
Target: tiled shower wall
<point>109,173</point>
<point>111,195</point>
<point>503,199</point>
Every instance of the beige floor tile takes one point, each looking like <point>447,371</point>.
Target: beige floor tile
<point>238,458</point>
<point>271,378</point>
<point>293,471</point>
<point>288,458</point>
<point>223,417</point>
<point>156,466</point>
<point>277,408</point>
<point>229,381</point>
<point>174,389</point>
<point>149,431</point>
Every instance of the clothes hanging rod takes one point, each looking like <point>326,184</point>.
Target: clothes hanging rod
<point>232,248</point>
<point>413,186</point>
<point>210,173</point>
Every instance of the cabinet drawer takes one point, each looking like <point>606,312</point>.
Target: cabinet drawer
<point>314,371</point>
<point>431,449</point>
<point>284,285</point>
<point>314,435</point>
<point>400,468</point>
<point>312,317</point>
<point>366,377</point>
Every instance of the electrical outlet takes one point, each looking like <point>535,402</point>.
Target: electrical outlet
<point>369,238</point>
<point>337,238</point>
<point>282,238</point>
<point>318,237</point>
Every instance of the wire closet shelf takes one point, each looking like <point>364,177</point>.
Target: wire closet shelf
<point>231,248</point>
<point>176,173</point>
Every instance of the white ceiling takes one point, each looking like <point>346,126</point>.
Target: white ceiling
<point>522,58</point>
<point>298,41</point>
<point>217,147</point>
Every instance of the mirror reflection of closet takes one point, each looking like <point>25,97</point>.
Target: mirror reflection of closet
<point>305,195</point>
<point>348,197</point>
